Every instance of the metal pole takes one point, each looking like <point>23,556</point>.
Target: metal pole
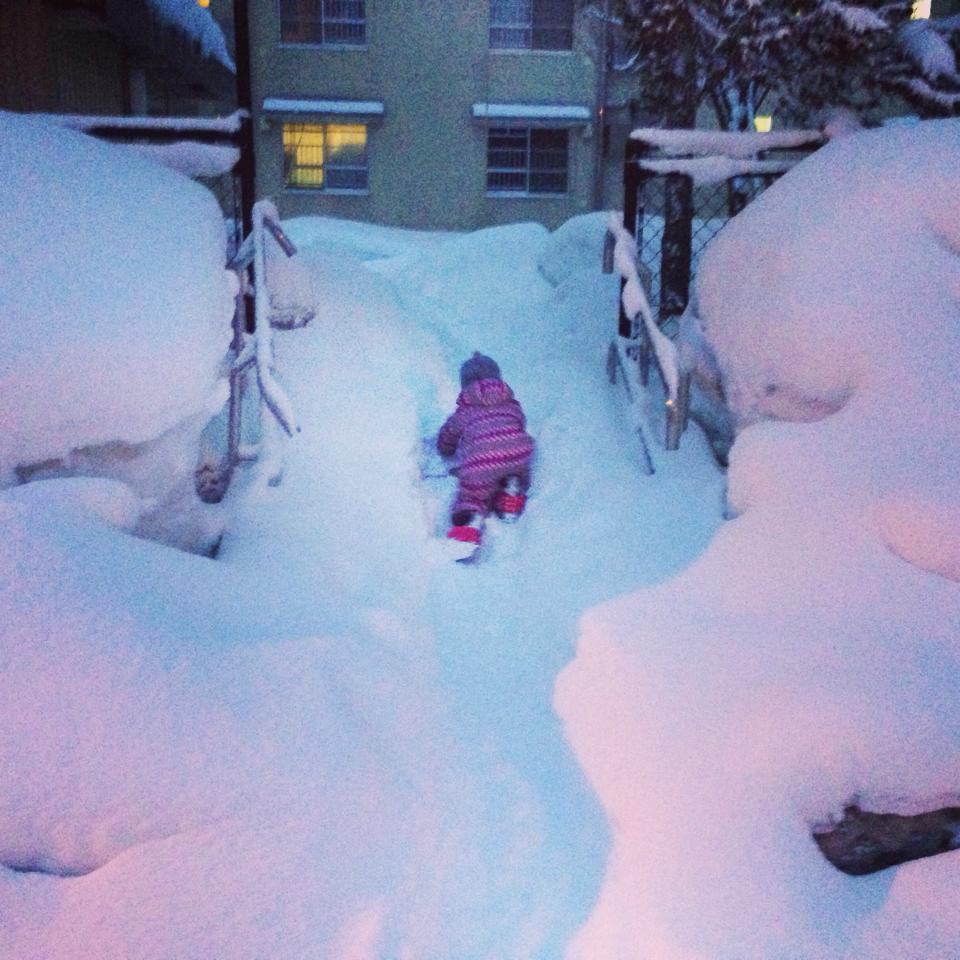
<point>600,110</point>
<point>247,166</point>
<point>675,254</point>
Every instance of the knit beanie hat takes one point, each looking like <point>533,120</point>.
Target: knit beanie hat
<point>478,367</point>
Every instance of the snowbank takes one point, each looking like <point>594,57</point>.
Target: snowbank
<point>810,656</point>
<point>116,309</point>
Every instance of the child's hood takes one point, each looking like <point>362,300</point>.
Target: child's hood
<point>485,393</point>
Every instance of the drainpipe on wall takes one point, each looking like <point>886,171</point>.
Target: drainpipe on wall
<point>600,109</point>
<point>247,165</point>
<point>137,91</point>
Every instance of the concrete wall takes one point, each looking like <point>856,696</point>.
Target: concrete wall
<point>428,62</point>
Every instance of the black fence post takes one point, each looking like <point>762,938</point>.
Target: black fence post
<point>675,253</point>
<point>631,188</point>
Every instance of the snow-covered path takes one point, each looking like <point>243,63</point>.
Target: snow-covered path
<point>374,375</point>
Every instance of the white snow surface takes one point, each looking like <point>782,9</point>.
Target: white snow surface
<point>114,299</point>
<point>547,111</point>
<point>286,105</point>
<point>809,658</point>
<point>724,142</point>
<point>333,743</point>
<point>190,157</point>
<point>707,170</point>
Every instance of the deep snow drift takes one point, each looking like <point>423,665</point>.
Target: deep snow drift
<point>116,313</point>
<point>809,658</point>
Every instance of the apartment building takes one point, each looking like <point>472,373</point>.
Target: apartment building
<point>430,114</point>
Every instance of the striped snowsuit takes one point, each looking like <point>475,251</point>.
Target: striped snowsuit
<point>487,429</point>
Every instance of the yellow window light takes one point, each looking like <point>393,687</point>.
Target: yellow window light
<point>763,123</point>
<point>303,150</point>
<point>921,10</point>
<point>340,135</point>
<point>203,3</point>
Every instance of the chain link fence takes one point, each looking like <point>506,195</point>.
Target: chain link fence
<point>674,215</point>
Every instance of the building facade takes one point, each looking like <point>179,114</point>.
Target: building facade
<point>440,114</point>
<point>428,114</point>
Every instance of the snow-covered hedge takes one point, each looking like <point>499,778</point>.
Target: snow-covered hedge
<point>810,657</point>
<point>114,300</point>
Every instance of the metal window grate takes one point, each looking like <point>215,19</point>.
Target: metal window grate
<point>324,22</point>
<point>527,161</point>
<point>531,24</point>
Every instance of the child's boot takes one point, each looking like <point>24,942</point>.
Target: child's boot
<point>465,535</point>
<point>510,500</point>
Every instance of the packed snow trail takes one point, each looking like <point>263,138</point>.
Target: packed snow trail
<point>595,526</point>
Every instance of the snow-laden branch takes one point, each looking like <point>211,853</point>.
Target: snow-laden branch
<point>929,50</point>
<point>919,89</point>
<point>635,304</point>
<point>857,19</point>
<point>707,24</point>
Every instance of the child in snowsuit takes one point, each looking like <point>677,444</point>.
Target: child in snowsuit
<point>488,431</point>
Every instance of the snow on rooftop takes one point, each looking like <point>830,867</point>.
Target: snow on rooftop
<point>197,23</point>
<point>531,111</point>
<point>359,107</point>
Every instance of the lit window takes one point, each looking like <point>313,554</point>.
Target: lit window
<point>336,23</point>
<point>526,161</point>
<point>921,10</point>
<point>325,156</point>
<point>531,24</point>
<point>763,123</point>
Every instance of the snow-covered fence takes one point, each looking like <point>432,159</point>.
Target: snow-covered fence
<point>252,344</point>
<point>682,186</point>
<point>631,352</point>
<point>205,147</point>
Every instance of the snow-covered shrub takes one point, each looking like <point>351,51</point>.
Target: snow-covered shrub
<point>808,659</point>
<point>115,307</point>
